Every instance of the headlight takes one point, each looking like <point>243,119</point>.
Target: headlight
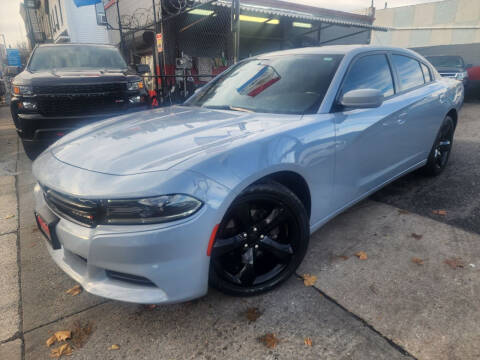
<point>461,76</point>
<point>135,85</point>
<point>22,90</point>
<point>151,210</point>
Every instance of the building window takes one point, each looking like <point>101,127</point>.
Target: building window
<point>60,7</point>
<point>57,24</point>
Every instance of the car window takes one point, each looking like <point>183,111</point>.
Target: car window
<point>289,84</point>
<point>426,73</point>
<point>409,72</point>
<point>370,72</point>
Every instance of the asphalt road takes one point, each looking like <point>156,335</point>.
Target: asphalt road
<point>384,307</point>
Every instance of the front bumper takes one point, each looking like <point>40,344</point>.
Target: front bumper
<point>172,257</point>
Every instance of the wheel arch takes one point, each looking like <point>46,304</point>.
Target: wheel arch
<point>454,115</point>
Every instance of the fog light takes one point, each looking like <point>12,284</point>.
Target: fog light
<point>135,99</point>
<point>28,105</point>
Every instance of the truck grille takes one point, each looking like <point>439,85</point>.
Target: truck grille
<point>80,211</point>
<point>79,89</point>
<point>62,105</point>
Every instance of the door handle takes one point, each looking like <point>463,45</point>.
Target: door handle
<point>402,118</point>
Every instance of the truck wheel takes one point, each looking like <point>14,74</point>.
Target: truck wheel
<point>32,149</point>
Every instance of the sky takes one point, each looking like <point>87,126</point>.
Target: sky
<point>12,26</point>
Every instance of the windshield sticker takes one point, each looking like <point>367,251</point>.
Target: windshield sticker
<point>262,80</point>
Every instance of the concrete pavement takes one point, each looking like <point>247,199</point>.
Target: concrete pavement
<point>385,307</point>
<point>10,303</point>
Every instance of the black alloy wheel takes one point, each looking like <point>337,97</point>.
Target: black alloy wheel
<point>440,153</point>
<point>260,242</point>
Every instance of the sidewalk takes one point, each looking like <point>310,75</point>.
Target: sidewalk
<point>11,338</point>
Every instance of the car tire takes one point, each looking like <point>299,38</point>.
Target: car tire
<point>278,232</point>
<point>32,150</point>
<point>441,149</point>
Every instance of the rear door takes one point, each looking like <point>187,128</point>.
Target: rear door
<point>420,114</point>
<point>367,140</point>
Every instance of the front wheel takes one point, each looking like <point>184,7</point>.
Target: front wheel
<point>440,153</point>
<point>260,242</point>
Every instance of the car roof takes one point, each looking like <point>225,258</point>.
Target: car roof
<point>340,50</point>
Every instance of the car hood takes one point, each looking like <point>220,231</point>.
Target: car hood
<point>159,139</point>
<point>69,77</point>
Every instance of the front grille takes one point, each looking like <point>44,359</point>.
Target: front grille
<point>449,75</point>
<point>80,211</point>
<point>64,105</point>
<point>129,278</point>
<point>79,89</point>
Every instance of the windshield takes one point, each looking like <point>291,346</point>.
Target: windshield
<point>294,84</point>
<point>76,57</point>
<point>446,61</point>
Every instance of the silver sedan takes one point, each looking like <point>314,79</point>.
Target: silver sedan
<point>225,190</point>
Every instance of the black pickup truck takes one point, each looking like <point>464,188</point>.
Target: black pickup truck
<point>65,86</point>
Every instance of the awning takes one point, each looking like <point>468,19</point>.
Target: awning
<point>277,11</point>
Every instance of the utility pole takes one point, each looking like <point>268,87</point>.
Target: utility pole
<point>235,28</point>
<point>120,27</point>
<point>156,64</point>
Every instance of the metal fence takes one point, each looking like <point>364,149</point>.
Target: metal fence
<point>201,38</point>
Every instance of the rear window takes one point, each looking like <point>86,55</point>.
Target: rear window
<point>409,71</point>
<point>293,84</point>
<point>446,61</point>
<point>74,57</point>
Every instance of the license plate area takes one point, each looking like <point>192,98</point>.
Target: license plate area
<point>47,228</point>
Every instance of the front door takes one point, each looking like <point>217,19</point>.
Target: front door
<point>367,140</point>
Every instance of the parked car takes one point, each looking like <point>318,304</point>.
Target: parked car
<point>225,190</point>
<point>65,86</point>
<point>451,66</point>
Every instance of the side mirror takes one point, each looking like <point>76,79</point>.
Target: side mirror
<point>198,89</point>
<point>362,99</point>
<point>142,68</point>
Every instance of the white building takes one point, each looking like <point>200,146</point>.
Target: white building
<point>62,21</point>
<point>447,22</point>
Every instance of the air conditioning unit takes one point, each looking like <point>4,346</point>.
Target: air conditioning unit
<point>101,19</point>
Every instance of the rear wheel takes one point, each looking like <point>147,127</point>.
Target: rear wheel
<point>440,153</point>
<point>260,242</point>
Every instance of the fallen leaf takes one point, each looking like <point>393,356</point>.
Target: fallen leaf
<point>81,333</point>
<point>51,340</point>
<point>455,263</point>
<point>64,349</point>
<point>63,335</point>
<point>403,212</point>
<point>150,306</point>
<point>253,314</point>
<point>114,347</point>
<point>440,212</point>
<point>339,257</point>
<point>416,236</point>
<point>417,261</point>
<point>77,289</point>
<point>308,341</point>
<point>9,217</point>
<point>309,280</point>
<point>362,255</point>
<point>269,340</point>
<point>34,229</point>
